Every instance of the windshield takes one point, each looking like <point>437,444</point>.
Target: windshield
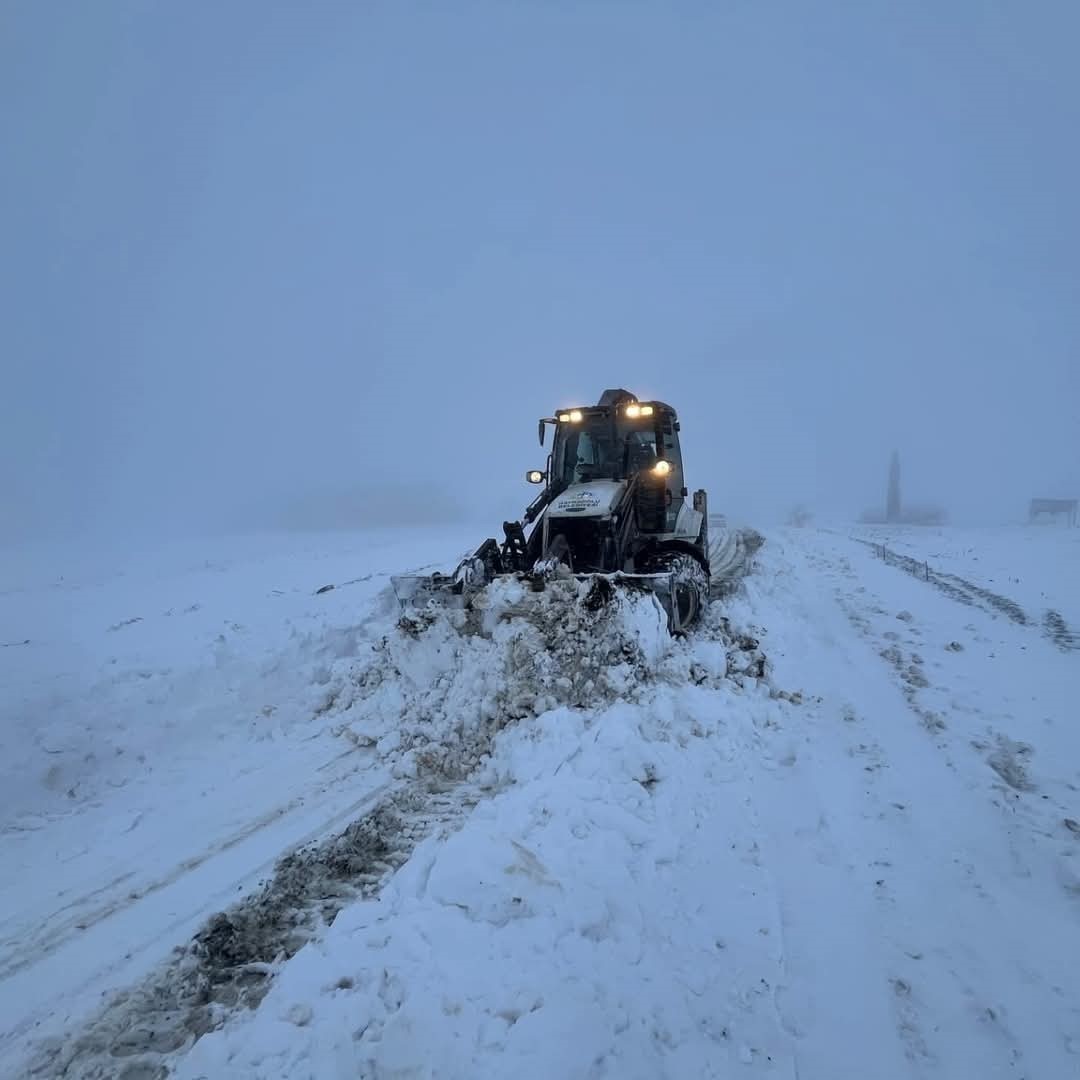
<point>592,451</point>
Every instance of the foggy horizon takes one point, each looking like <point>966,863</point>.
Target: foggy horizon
<point>326,267</point>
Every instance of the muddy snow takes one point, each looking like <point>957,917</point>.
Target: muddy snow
<point>831,834</point>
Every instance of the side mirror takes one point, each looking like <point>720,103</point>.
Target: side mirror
<point>535,476</point>
<point>540,431</point>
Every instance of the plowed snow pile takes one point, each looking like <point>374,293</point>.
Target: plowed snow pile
<point>430,694</point>
<point>562,922</point>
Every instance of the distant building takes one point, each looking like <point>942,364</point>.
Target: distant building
<point>1063,508</point>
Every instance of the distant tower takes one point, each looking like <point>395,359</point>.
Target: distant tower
<point>892,504</point>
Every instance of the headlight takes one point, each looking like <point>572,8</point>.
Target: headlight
<point>564,418</point>
<point>534,476</point>
<point>646,410</point>
<point>662,468</point>
<point>575,416</point>
<point>633,411</point>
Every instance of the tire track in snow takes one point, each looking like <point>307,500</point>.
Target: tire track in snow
<point>731,557</point>
<point>97,936</point>
<point>984,983</point>
<point>817,798</point>
<point>232,959</point>
<point>781,985</point>
<point>939,991</point>
<point>1008,758</point>
<point>183,902</point>
<point>1057,630</point>
<point>967,592</point>
<point>51,934</point>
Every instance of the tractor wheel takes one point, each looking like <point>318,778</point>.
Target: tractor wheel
<point>691,585</point>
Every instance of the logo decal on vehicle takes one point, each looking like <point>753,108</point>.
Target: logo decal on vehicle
<point>580,500</point>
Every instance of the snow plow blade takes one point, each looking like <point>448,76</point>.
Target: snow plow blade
<point>682,586</point>
<point>454,590</point>
<point>439,591</point>
<point>417,592</point>
<point>663,586</point>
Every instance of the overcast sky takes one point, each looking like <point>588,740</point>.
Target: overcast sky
<point>264,259</point>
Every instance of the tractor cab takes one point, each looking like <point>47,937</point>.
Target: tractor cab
<point>603,446</point>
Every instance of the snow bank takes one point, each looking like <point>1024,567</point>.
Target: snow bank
<point>581,922</point>
<point>433,690</point>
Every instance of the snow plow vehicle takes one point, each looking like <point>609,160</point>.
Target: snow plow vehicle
<point>614,511</point>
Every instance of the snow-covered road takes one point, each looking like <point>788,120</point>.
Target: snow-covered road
<point>865,863</point>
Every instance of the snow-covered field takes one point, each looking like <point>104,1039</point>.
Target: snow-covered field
<point>565,847</point>
<point>1035,569</point>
